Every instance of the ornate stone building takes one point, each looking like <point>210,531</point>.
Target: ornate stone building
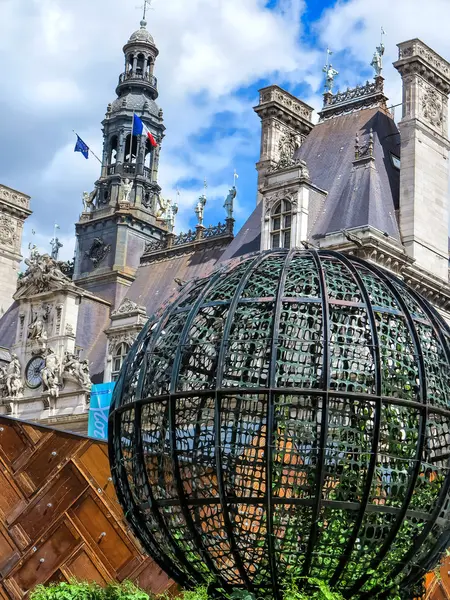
<point>14,209</point>
<point>355,181</point>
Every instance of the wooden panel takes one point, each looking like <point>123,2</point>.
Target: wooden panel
<point>9,554</point>
<point>105,536</point>
<point>81,566</point>
<point>12,444</point>
<point>47,458</point>
<point>41,564</point>
<point>11,500</point>
<point>95,462</point>
<point>76,482</point>
<point>48,506</point>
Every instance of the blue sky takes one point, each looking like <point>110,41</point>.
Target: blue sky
<point>60,62</point>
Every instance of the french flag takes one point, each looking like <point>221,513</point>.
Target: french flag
<point>140,129</point>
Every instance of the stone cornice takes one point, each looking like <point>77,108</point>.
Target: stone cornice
<point>278,103</point>
<point>415,57</point>
<point>371,245</point>
<point>14,202</point>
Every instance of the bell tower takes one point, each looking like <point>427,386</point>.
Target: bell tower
<point>120,215</point>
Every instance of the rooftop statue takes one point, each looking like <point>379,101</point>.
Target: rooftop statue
<point>43,272</point>
<point>229,202</point>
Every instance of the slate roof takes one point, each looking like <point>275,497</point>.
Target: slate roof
<point>8,326</point>
<point>155,281</point>
<point>329,152</point>
<point>248,239</point>
<point>355,197</point>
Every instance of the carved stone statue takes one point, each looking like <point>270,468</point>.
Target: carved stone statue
<point>127,186</point>
<point>200,209</point>
<point>78,369</point>
<point>44,273</point>
<point>229,202</point>
<point>330,74</point>
<point>163,205</point>
<point>14,383</point>
<point>3,388</point>
<point>56,245</point>
<point>88,200</point>
<point>377,60</point>
<point>51,374</point>
<point>36,327</point>
<point>170,215</point>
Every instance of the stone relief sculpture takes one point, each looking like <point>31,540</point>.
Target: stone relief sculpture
<point>43,273</point>
<point>98,251</point>
<point>51,374</point>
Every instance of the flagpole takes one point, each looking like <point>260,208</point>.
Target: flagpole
<point>90,149</point>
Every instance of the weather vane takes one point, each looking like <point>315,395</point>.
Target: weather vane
<point>330,73</point>
<point>147,3</point>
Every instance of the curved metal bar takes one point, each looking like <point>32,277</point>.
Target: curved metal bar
<point>120,481</point>
<point>421,436</point>
<point>172,426</point>
<point>253,263</point>
<point>320,475</point>
<point>412,578</point>
<point>377,419</point>
<point>140,452</point>
<point>271,424</point>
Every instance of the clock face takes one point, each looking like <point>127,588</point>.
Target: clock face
<point>33,372</point>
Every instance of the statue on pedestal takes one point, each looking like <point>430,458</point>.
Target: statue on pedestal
<point>127,186</point>
<point>51,374</point>
<point>229,202</point>
<point>14,383</point>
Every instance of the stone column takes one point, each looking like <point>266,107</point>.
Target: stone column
<point>424,146</point>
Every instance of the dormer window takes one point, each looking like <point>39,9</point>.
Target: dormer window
<point>120,353</point>
<point>395,161</point>
<point>281,220</point>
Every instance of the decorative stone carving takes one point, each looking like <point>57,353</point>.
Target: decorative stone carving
<point>98,251</point>
<point>13,197</point>
<point>287,147</point>
<point>127,186</point>
<point>69,329</point>
<point>75,369</point>
<point>7,231</point>
<point>51,374</point>
<point>127,306</point>
<point>162,207</point>
<point>43,274</point>
<point>12,378</point>
<point>88,200</point>
<point>432,107</point>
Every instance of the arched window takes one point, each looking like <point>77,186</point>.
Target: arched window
<point>112,157</point>
<point>280,226</point>
<point>120,353</point>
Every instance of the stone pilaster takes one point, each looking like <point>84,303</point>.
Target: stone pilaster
<point>424,170</point>
<point>282,115</point>
<point>14,209</point>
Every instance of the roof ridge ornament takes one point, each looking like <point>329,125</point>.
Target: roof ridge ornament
<point>147,3</point>
<point>330,73</point>
<point>377,60</point>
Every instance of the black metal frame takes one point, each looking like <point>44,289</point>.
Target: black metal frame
<point>234,473</point>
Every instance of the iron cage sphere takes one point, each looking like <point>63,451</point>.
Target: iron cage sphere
<point>288,415</point>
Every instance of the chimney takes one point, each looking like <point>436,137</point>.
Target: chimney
<point>282,116</point>
<point>424,172</point>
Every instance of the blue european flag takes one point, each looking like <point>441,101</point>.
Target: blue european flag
<point>80,146</point>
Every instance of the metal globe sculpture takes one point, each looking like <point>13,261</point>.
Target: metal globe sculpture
<point>288,416</point>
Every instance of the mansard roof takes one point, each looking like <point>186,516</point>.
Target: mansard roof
<point>353,201</point>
